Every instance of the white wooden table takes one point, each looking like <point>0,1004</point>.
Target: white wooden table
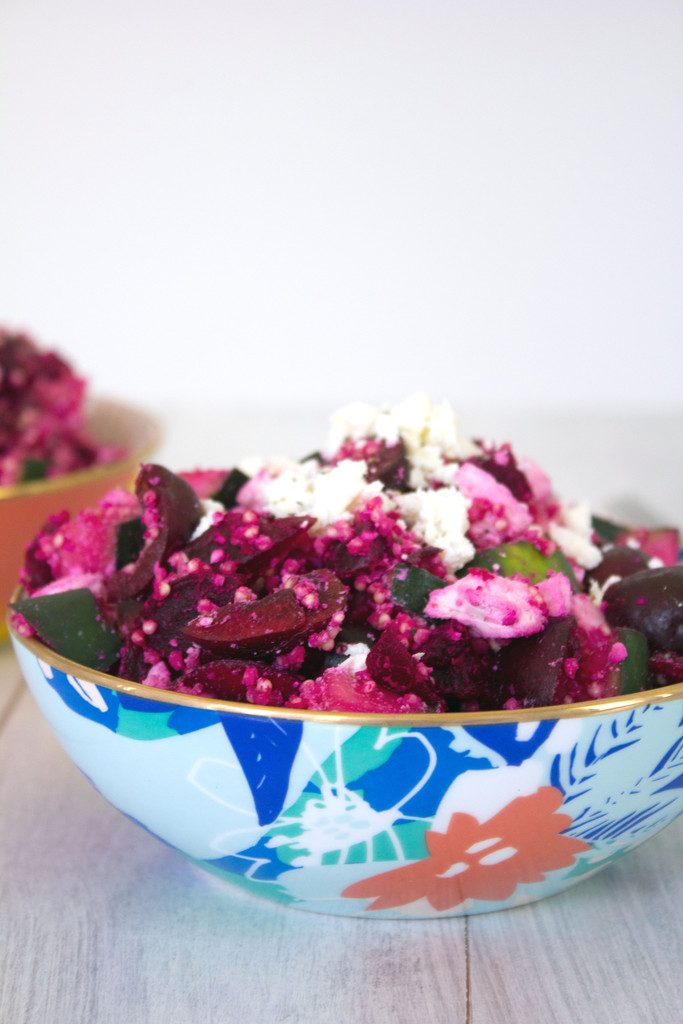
<point>102,924</point>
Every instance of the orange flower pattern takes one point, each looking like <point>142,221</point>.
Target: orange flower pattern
<point>480,861</point>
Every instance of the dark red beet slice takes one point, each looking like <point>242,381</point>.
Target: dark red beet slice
<point>618,561</point>
<point>664,543</point>
<point>166,617</point>
<point>652,602</point>
<point>391,664</point>
<point>258,627</point>
<point>36,571</point>
<point>666,668</point>
<point>176,510</point>
<point>285,535</point>
<point>462,667</point>
<point>275,623</point>
<point>347,565</point>
<point>533,667</point>
<point>232,679</point>
<point>390,465</point>
<point>505,470</point>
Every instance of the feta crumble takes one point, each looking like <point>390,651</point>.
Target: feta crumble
<point>328,493</point>
<point>573,535</point>
<point>440,518</point>
<point>209,509</point>
<point>429,431</point>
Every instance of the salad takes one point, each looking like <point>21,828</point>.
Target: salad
<point>401,568</point>
<point>42,415</point>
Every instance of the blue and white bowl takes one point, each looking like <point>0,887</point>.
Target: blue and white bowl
<point>369,815</point>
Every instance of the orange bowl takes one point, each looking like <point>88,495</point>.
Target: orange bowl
<point>25,507</point>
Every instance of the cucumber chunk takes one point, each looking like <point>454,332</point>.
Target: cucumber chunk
<point>70,623</point>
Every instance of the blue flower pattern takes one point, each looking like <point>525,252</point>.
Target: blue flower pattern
<point>278,806</point>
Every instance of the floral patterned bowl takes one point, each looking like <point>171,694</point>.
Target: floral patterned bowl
<point>25,507</point>
<point>422,816</point>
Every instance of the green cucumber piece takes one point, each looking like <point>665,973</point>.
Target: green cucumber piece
<point>606,530</point>
<point>411,587</point>
<point>523,559</point>
<point>130,538</point>
<point>70,623</point>
<point>633,670</point>
<point>229,489</point>
<point>33,469</point>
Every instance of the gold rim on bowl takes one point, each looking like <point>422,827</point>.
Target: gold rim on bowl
<point>605,706</point>
<point>137,453</point>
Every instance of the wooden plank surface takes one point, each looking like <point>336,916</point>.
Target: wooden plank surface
<point>607,951</point>
<point>10,683</point>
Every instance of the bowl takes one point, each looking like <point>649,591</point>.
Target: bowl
<point>25,507</point>
<point>431,815</point>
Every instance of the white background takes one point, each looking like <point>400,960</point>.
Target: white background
<point>276,202</point>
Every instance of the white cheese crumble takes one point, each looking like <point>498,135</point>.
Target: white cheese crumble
<point>440,518</point>
<point>328,493</point>
<point>356,656</point>
<point>573,535</point>
<point>209,508</point>
<point>428,430</point>
<point>596,591</point>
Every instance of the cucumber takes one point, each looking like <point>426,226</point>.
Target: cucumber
<point>633,670</point>
<point>411,587</point>
<point>230,488</point>
<point>523,559</point>
<point>70,623</point>
<point>129,541</point>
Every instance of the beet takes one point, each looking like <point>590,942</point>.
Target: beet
<point>462,667</point>
<point>166,616</point>
<point>503,467</point>
<point>227,535</point>
<point>666,667</point>
<point>390,465</point>
<point>232,679</point>
<point>663,543</point>
<point>391,664</point>
<point>347,565</point>
<point>652,602</point>
<point>275,623</point>
<point>37,572</point>
<point>533,667</point>
<point>618,561</point>
<point>171,512</point>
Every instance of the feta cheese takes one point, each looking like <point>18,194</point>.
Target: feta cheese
<point>440,518</point>
<point>428,430</point>
<point>329,493</point>
<point>573,535</point>
<point>209,509</point>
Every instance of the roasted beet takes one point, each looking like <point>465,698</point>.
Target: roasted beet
<point>171,511</point>
<point>389,464</point>
<point>155,628</point>
<point>347,564</point>
<point>533,667</point>
<point>502,465</point>
<point>666,667</point>
<point>664,543</point>
<point>252,542</point>
<point>278,621</point>
<point>37,571</point>
<point>618,561</point>
<point>652,602</point>
<point>462,667</point>
<point>391,664</point>
<point>232,679</point>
